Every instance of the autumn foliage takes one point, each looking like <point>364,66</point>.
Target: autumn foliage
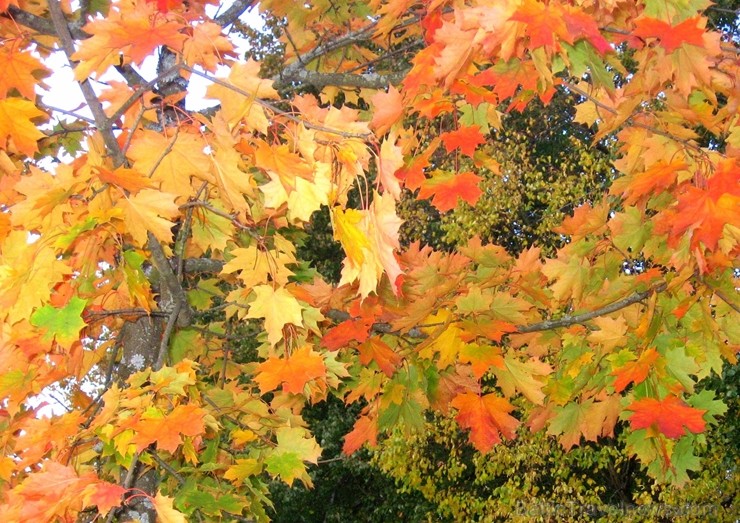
<point>137,235</point>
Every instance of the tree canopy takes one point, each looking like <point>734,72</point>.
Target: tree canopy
<point>141,241</point>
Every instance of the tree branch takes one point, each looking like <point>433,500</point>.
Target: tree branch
<point>317,79</point>
<point>42,25</point>
<point>229,16</point>
<point>101,120</point>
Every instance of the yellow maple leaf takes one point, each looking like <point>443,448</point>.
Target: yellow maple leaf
<point>611,332</point>
<point>171,160</point>
<point>309,196</point>
<point>16,125</point>
<point>207,46</point>
<point>149,210</point>
<point>238,102</point>
<point>278,307</point>
<point>166,513</point>
<point>369,238</point>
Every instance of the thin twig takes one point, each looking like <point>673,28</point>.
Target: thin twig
<point>274,109</point>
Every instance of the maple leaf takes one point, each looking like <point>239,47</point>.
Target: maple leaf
<point>63,325</point>
<point>365,430</point>
<point>167,429</point>
<point>611,332</point>
<point>349,330</point>
<point>389,161</point>
<point>129,180</point>
<point>131,36</point>
<point>588,419</point>
<point>16,124</point>
<point>278,307</point>
<point>207,46</point>
<point>487,417</point>
<point>378,351</point>
<point>464,138</point>
<point>543,23</point>
<point>149,211</point>
<point>104,496</point>
<point>293,372</point>
<point>703,213</point>
<point>445,188</point>
<point>166,512</point>
<point>526,377</point>
<point>690,32</point>
<point>369,239</point>
<point>293,448</point>
<point>669,416</point>
<point>20,69</point>
<point>481,357</point>
<point>635,371</point>
<point>243,469</point>
<point>388,109</point>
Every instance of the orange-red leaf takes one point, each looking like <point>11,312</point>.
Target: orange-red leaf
<point>690,31</point>
<point>445,188</point>
<point>487,417</point>
<point>349,330</point>
<point>670,416</point>
<point>376,350</point>
<point>464,138</point>
<point>364,431</point>
<point>634,371</point>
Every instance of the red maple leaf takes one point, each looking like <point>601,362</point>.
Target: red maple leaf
<point>444,188</point>
<point>349,330</point>
<point>465,138</point>
<point>669,416</point>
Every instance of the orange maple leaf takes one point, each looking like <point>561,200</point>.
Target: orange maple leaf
<point>669,416</point>
<point>465,138</point>
<point>634,371</point>
<point>445,187</point>
<point>133,35</point>
<point>365,431</point>
<point>705,212</point>
<point>487,417</point>
<point>349,330</point>
<point>543,23</point>
<point>293,372</point>
<point>378,351</point>
<point>18,67</point>
<point>167,429</point>
<point>388,109</point>
<point>690,31</point>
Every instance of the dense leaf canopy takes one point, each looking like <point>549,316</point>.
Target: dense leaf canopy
<point>139,240</point>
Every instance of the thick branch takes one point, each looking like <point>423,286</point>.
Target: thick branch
<point>363,81</point>
<point>42,25</point>
<point>169,285</point>
<point>229,16</point>
<point>350,38</point>
<point>567,321</point>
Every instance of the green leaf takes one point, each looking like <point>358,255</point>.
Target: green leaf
<point>63,325</point>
